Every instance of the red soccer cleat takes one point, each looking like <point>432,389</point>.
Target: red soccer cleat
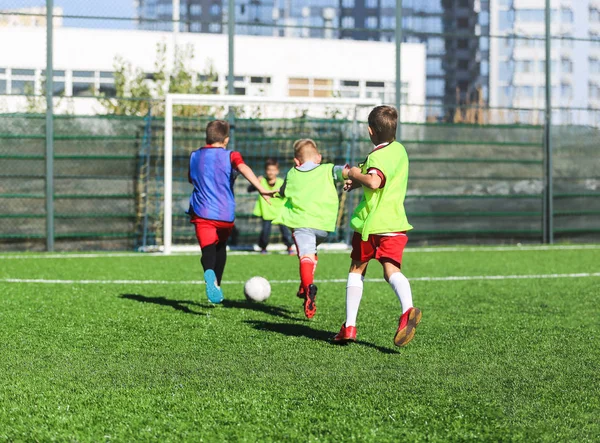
<point>407,326</point>
<point>300,293</point>
<point>310,307</point>
<point>347,333</point>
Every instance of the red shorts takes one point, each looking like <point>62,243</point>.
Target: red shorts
<point>210,232</point>
<point>379,247</point>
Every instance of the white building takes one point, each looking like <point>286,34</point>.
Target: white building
<point>517,66</point>
<point>264,66</point>
<point>35,17</point>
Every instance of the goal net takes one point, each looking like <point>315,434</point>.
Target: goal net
<point>261,128</point>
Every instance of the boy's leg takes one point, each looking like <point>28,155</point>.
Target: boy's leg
<point>221,259</point>
<point>211,235</point>
<point>265,233</point>
<point>362,252</point>
<point>354,290</point>
<point>209,257</point>
<point>399,284</point>
<point>223,234</point>
<point>389,254</point>
<point>286,236</point>
<point>306,244</point>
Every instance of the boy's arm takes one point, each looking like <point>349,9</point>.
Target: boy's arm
<point>340,173</point>
<point>371,181</point>
<point>282,189</point>
<point>249,175</point>
<point>252,188</point>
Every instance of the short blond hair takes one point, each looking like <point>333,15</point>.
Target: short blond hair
<point>304,149</point>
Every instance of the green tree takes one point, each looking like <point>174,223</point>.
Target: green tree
<point>136,92</point>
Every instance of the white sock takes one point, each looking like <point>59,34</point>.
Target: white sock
<point>354,290</point>
<point>401,287</point>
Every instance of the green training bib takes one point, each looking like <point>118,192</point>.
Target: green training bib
<point>381,211</point>
<point>262,209</point>
<point>312,199</point>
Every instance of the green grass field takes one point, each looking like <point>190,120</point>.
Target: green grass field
<point>135,351</point>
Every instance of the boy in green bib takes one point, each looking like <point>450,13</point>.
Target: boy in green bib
<point>310,210</point>
<point>380,224</point>
<point>268,212</point>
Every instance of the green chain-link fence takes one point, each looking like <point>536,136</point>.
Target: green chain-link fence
<point>468,183</point>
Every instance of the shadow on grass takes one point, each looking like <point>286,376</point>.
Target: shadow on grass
<point>274,310</point>
<point>184,305</point>
<point>179,305</point>
<point>296,330</point>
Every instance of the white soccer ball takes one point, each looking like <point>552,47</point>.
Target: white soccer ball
<point>257,289</point>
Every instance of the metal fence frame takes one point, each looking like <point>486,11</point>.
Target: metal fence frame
<point>547,218</point>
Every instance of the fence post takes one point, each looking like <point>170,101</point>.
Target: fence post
<point>548,210</point>
<point>352,162</point>
<point>231,69</point>
<point>49,128</point>
<point>398,67</point>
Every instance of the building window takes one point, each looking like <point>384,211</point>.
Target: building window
<point>566,65</point>
<point>566,90</point>
<point>436,45</point>
<point>308,87</point>
<point>594,15</point>
<point>566,15</point>
<point>484,68</point>
<point>106,84</point>
<point>484,18</point>
<point>3,82</point>
<point>214,27</point>
<point>371,4</point>
<point>350,89</point>
<point>506,71</point>
<point>266,80</point>
<point>58,83</point>
<point>23,81</point>
<point>594,91</point>
<point>484,43</point>
<point>347,3</point>
<point>435,87</point>
<point>434,66</point>
<point>594,65</point>
<point>505,20</point>
<point>524,91</point>
<point>215,9</point>
<point>196,9</point>
<point>524,66</point>
<point>348,22</point>
<point>388,22</point>
<point>371,22</point>
<point>552,66</point>
<point>530,15</point>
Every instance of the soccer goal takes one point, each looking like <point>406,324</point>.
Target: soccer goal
<point>261,128</point>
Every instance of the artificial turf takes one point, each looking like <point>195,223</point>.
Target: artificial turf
<point>493,360</point>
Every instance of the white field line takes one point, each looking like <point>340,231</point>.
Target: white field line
<point>335,251</point>
<point>334,280</point>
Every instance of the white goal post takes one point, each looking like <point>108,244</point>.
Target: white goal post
<point>350,105</point>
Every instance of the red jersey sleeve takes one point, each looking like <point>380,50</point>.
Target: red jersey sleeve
<point>236,159</point>
<point>380,174</point>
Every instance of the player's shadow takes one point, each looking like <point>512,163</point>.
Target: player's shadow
<point>184,305</point>
<point>296,330</point>
<point>179,305</point>
<point>273,310</point>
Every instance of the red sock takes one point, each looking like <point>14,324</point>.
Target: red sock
<point>307,271</point>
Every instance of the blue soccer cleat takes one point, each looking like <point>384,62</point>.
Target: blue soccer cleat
<point>213,292</point>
